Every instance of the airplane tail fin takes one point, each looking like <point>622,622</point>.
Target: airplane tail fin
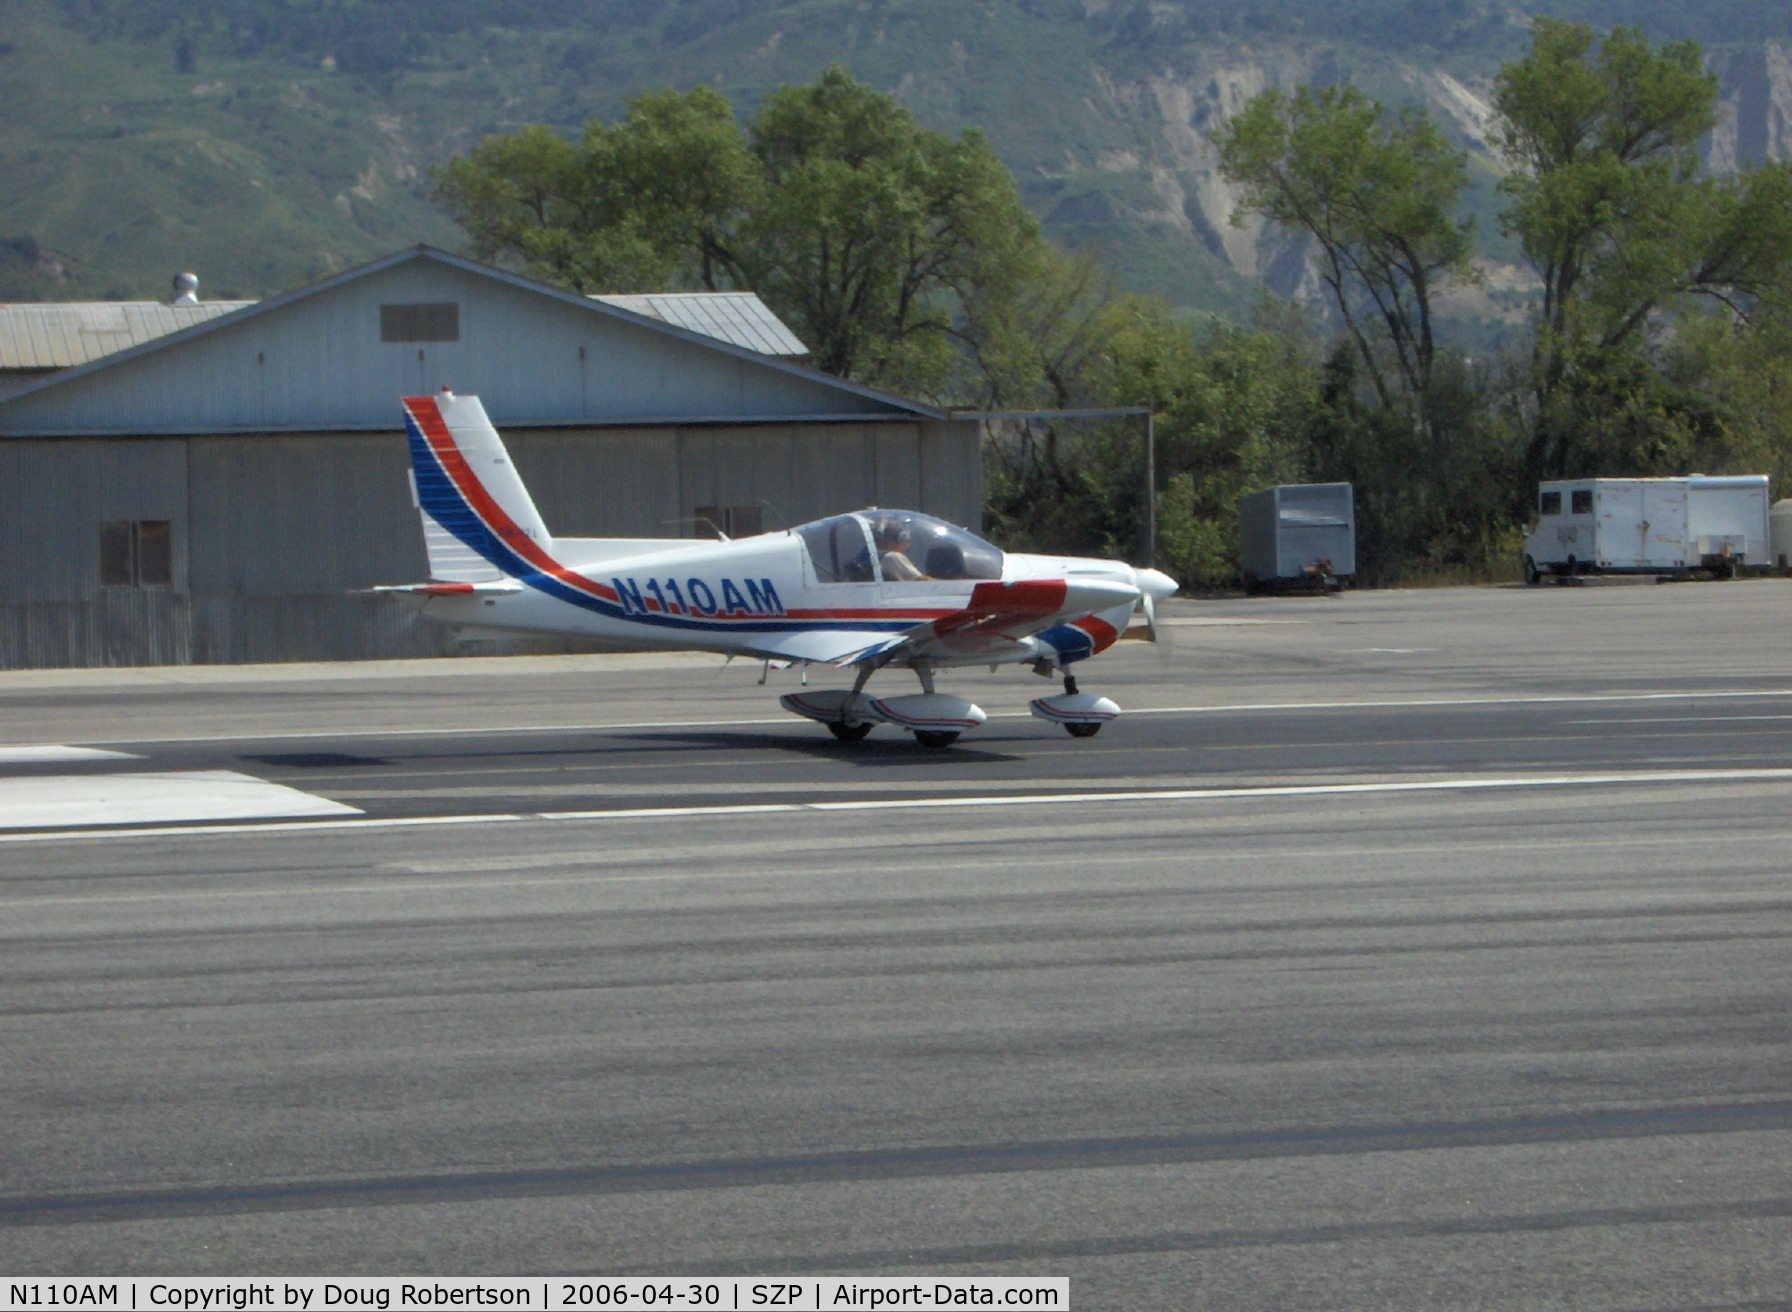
<point>479,522</point>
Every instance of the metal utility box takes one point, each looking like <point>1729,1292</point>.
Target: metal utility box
<point>1298,533</point>
<point>1648,526</point>
<point>1779,533</point>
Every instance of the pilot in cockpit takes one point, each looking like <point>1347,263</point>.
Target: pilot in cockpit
<point>892,538</point>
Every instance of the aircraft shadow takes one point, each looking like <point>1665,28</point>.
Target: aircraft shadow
<point>875,752</point>
<point>893,749</point>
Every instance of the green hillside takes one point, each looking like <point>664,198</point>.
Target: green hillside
<point>264,143</point>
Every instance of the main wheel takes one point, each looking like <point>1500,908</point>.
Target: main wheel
<point>1082,730</point>
<point>849,733</point>
<point>936,737</point>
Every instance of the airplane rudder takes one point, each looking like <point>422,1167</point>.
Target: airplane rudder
<point>459,440</point>
<point>471,501</point>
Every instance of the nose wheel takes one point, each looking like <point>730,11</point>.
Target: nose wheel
<point>1078,729</point>
<point>1081,713</point>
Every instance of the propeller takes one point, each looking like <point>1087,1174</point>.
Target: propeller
<point>1153,586</point>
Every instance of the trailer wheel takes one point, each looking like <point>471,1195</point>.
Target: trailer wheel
<point>1532,576</point>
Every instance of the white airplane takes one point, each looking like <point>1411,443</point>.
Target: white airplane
<point>866,590</point>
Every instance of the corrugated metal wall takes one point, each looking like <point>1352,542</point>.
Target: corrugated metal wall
<point>274,535</point>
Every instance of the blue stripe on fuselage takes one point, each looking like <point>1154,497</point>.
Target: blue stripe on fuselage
<point>437,494</point>
<point>1072,643</point>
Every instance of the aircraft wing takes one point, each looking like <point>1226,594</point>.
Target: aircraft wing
<point>992,626</point>
<point>996,621</point>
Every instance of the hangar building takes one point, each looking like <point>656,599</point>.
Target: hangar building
<point>214,482</point>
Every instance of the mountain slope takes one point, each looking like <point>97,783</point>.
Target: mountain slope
<point>264,143</point>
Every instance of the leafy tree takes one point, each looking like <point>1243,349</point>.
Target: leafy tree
<point>1232,407</point>
<point>1609,206</point>
<point>1029,341</point>
<point>868,232</point>
<point>655,200</point>
<point>875,230</point>
<point>1375,191</point>
<point>1745,378</point>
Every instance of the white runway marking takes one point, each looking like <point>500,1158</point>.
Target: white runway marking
<point>1096,799</point>
<point>77,801</point>
<point>1680,719</point>
<point>55,754</point>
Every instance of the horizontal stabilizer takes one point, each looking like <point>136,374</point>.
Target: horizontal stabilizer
<point>488,588</point>
<point>815,646</point>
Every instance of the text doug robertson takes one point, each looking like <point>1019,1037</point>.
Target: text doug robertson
<point>240,1297</point>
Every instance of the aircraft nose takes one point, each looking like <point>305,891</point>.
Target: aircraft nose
<point>1156,584</point>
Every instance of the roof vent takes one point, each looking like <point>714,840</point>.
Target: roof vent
<point>186,289</point>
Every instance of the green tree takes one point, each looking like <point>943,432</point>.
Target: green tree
<point>1376,193</point>
<point>869,233</point>
<point>1610,207</point>
<point>875,231</point>
<point>656,200</point>
<point>1232,407</point>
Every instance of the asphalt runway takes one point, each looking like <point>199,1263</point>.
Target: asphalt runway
<point>1397,950</point>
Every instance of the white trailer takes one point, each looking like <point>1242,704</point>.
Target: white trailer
<point>1298,533</point>
<point>1649,526</point>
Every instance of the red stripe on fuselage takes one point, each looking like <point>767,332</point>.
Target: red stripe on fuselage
<point>435,431</point>
<point>1103,633</point>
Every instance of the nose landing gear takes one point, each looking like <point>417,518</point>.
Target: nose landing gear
<point>1081,713</point>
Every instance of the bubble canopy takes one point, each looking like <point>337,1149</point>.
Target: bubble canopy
<point>871,546</point>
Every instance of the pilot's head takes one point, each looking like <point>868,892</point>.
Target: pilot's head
<point>892,535</point>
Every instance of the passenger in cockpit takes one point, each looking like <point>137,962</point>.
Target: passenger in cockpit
<point>892,552</point>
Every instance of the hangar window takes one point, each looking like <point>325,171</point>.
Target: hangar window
<point>421,322</point>
<point>136,553</point>
<point>1550,503</point>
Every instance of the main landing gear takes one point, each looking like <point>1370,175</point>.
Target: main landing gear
<point>935,718</point>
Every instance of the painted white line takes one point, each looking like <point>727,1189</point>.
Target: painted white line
<point>1316,790</point>
<point>1203,709</point>
<point>674,812</point>
<point>271,827</point>
<point>1217,622</point>
<point>55,754</point>
<point>1470,784</point>
<point>76,801</point>
<point>1552,699</point>
<point>1682,719</point>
